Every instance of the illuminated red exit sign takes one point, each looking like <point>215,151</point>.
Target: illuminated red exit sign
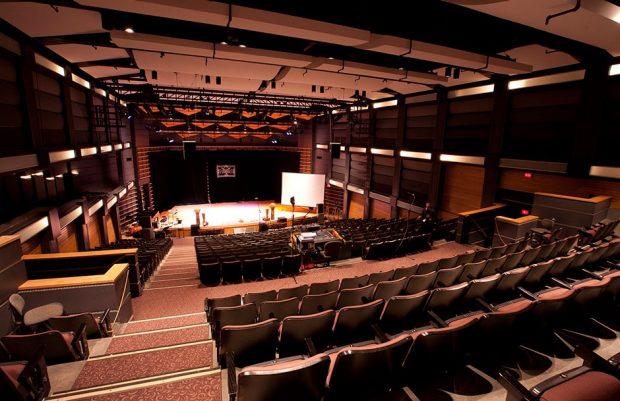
<point>525,212</point>
<point>527,175</point>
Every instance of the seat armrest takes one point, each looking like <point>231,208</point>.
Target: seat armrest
<point>561,283</point>
<point>485,305</point>
<point>232,376</point>
<point>435,318</point>
<point>593,274</point>
<point>34,377</point>
<point>80,343</point>
<point>104,324</point>
<point>594,361</point>
<point>527,294</point>
<point>516,391</point>
<point>310,346</point>
<point>379,333</point>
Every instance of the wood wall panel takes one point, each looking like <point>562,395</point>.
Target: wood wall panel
<point>462,189</point>
<point>33,245</point>
<point>356,206</point>
<point>560,184</point>
<point>110,227</point>
<point>68,240</point>
<point>380,210</point>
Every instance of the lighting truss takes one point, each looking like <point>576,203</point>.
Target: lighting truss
<point>182,97</point>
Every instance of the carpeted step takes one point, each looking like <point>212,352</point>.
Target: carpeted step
<point>174,283</point>
<point>174,276</point>
<point>156,339</point>
<point>121,368</point>
<point>164,323</point>
<point>205,386</point>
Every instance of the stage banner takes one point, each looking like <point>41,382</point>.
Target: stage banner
<point>226,171</point>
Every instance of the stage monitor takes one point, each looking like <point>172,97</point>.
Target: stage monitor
<point>308,189</point>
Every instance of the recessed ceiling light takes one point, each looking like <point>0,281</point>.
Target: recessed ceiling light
<point>330,58</point>
<point>224,42</point>
<point>400,68</point>
<point>242,45</point>
<point>129,30</point>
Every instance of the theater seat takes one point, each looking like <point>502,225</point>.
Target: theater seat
<point>96,326</point>
<point>596,380</point>
<point>25,380</point>
<point>298,292</point>
<point>311,304</point>
<point>278,309</point>
<point>296,329</point>
<point>280,380</point>
<point>353,323</point>
<point>321,288</point>
<point>248,344</point>
<point>59,347</point>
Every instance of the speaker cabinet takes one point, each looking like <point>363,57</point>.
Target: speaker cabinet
<point>335,150</point>
<point>320,210</point>
<point>189,150</point>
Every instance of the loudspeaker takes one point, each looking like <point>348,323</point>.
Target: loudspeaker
<point>335,149</point>
<point>189,150</point>
<point>320,210</point>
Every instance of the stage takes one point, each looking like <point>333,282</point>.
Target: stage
<point>230,216</point>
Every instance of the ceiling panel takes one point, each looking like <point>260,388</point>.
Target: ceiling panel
<point>76,53</point>
<point>183,80</point>
<point>99,72</point>
<point>38,20</point>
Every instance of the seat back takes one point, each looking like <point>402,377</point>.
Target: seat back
<point>291,264</point>
<point>353,323</point>
<point>479,288</point>
<point>420,282</point>
<point>212,303</point>
<point>388,289</point>
<point>493,266</point>
<point>472,271</point>
<point>377,277</point>
<point>279,309</point>
<point>210,273</point>
<point>272,267</point>
<point>250,343</point>
<point>232,315</point>
<point>305,378</point>
<point>427,267</point>
<point>482,254</point>
<point>58,346</point>
<point>512,247</point>
<point>72,323</point>
<point>498,251</point>
<point>403,311</point>
<point>322,288</point>
<point>25,381</point>
<point>298,292</point>
<point>447,263</point>
<point>546,250</point>
<point>252,269</point>
<point>442,299</point>
<point>561,264</point>
<point>311,304</point>
<point>257,297</point>
<point>367,371</point>
<point>447,277</point>
<point>466,257</point>
<point>355,296</point>
<point>231,271</point>
<point>537,272</point>
<point>332,249</point>
<point>510,280</point>
<point>513,260</point>
<point>353,282</point>
<point>295,330</point>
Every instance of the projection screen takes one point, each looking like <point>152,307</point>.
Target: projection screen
<point>308,189</point>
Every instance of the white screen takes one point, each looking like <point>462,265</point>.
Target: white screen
<point>308,189</point>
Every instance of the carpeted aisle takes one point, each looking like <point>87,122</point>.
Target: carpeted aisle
<point>138,326</point>
<point>139,365</point>
<point>157,339</point>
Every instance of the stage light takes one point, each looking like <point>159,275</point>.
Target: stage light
<point>448,72</point>
<point>242,46</point>
<point>401,69</point>
<point>274,141</point>
<point>207,79</point>
<point>330,58</point>
<point>170,140</point>
<point>218,80</point>
<point>153,74</point>
<point>273,84</point>
<point>224,43</point>
<point>457,73</point>
<point>313,88</point>
<point>129,30</point>
<point>322,89</point>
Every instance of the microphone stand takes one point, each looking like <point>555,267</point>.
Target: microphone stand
<point>258,207</point>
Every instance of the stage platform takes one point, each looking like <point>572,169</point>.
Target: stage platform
<point>231,216</point>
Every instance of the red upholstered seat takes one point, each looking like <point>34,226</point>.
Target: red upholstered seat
<point>589,386</point>
<point>13,370</point>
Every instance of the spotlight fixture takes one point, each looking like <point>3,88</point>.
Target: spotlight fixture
<point>313,88</point>
<point>170,140</point>
<point>363,93</point>
<point>153,74</point>
<point>330,58</point>
<point>457,73</point>
<point>162,54</point>
<point>322,89</point>
<point>273,84</point>
<point>448,72</point>
<point>129,30</point>
<point>223,42</point>
<point>242,45</point>
<point>218,80</point>
<point>400,69</point>
<point>207,79</point>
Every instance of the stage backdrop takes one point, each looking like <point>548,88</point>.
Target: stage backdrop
<point>257,174</point>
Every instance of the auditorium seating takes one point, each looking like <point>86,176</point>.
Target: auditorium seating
<point>25,380</point>
<point>95,326</point>
<point>423,302</point>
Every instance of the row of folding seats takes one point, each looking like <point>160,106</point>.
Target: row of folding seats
<point>398,246</point>
<point>599,231</point>
<point>401,312</point>
<point>249,268</point>
<point>432,345</point>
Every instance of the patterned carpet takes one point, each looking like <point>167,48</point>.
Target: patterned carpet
<point>175,282</point>
<point>149,340</point>
<point>158,324</point>
<point>202,388</point>
<point>98,372</point>
<point>174,275</point>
